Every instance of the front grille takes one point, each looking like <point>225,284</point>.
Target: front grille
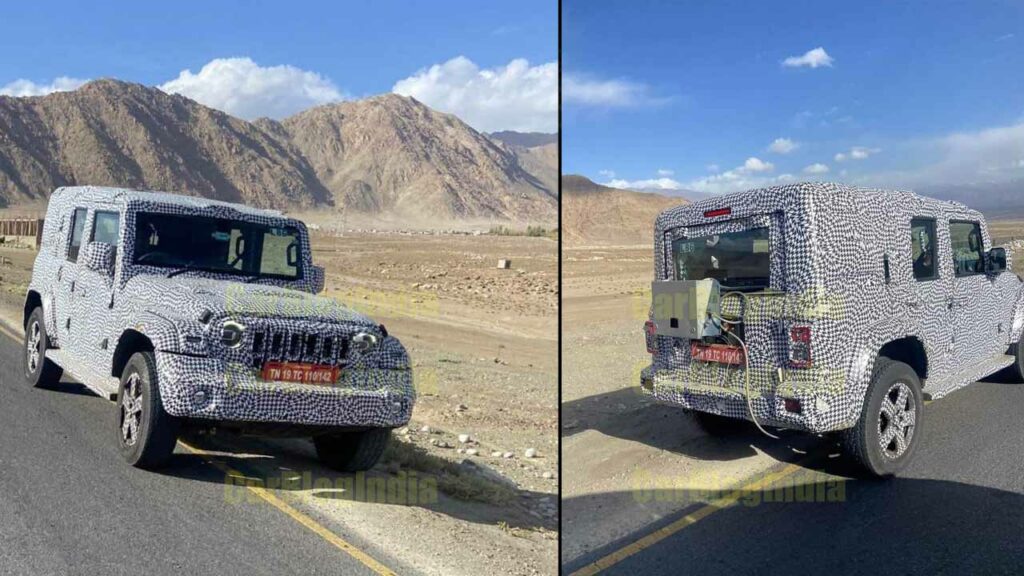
<point>298,346</point>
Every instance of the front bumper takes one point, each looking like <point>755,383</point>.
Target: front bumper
<point>822,401</point>
<point>373,397</point>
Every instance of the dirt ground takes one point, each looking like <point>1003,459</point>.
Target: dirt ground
<point>483,343</point>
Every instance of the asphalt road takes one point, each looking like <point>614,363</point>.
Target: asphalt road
<point>70,505</point>
<point>957,509</point>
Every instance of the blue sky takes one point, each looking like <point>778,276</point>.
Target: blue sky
<point>694,94</point>
<point>349,50</point>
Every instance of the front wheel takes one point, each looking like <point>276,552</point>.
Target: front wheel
<point>39,370</point>
<point>1018,364</point>
<point>146,433</point>
<point>889,429</point>
<point>352,451</point>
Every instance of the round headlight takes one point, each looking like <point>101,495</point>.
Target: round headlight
<point>364,342</point>
<point>231,334</point>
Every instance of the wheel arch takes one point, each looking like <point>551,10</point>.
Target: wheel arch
<point>33,300</point>
<point>130,342</point>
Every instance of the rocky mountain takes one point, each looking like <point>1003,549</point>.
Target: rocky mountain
<point>387,155</point>
<point>394,154</point>
<point>595,214</point>
<point>115,133</point>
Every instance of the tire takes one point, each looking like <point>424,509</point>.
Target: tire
<point>895,387</point>
<point>352,451</point>
<point>1018,365</point>
<point>39,370</point>
<point>149,442</point>
<point>721,426</point>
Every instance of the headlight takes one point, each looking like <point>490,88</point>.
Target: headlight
<point>231,334</point>
<point>364,342</point>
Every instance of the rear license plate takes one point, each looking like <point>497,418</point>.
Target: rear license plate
<point>716,353</point>
<point>301,373</point>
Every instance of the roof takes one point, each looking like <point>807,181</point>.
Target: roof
<point>816,190</point>
<point>125,196</point>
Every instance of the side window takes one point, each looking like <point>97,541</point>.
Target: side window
<point>105,228</point>
<point>968,249</point>
<point>77,228</point>
<point>923,249</point>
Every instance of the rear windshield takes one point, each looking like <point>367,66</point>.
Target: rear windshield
<point>738,260</point>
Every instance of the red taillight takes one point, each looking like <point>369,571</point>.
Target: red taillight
<point>718,212</point>
<point>793,405</point>
<point>800,346</point>
<point>652,341</point>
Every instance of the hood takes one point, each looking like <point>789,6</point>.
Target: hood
<point>189,297</point>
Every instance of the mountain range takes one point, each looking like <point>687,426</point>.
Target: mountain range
<point>596,214</point>
<point>386,155</point>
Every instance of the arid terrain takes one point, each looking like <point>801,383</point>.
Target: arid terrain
<point>617,442</point>
<point>483,342</point>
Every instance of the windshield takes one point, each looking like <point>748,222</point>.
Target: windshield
<point>217,245</point>
<point>738,260</point>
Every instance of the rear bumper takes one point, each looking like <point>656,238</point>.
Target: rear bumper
<point>822,407</point>
<point>372,397</point>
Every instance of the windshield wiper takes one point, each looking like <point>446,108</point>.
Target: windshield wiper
<point>186,268</point>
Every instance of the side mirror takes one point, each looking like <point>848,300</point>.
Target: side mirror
<point>315,277</point>
<point>995,260</point>
<point>98,257</point>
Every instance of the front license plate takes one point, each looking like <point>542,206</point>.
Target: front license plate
<point>716,353</point>
<point>301,373</point>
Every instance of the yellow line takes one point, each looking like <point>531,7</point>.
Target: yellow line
<point>269,497</point>
<point>691,518</point>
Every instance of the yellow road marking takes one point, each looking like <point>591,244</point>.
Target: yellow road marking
<point>691,518</point>
<point>270,498</point>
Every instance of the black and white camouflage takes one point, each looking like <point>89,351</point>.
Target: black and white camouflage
<point>828,244</point>
<point>91,317</point>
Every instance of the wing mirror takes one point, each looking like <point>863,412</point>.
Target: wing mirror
<point>315,278</point>
<point>99,257</point>
<point>995,260</point>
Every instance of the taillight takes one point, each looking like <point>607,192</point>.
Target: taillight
<point>652,341</point>
<point>800,346</point>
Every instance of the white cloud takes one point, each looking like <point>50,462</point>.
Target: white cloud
<point>812,58</point>
<point>783,146</point>
<point>590,91</point>
<point>516,96</point>
<point>22,87</point>
<point>247,90</point>
<point>756,165</point>
<point>712,167</point>
<point>664,172</point>
<point>652,183</point>
<point>856,153</point>
<point>816,168</point>
<point>607,173</point>
<point>734,181</point>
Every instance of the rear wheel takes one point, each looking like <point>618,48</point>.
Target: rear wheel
<point>352,451</point>
<point>715,425</point>
<point>886,436</point>
<point>39,371</point>
<point>146,433</point>
<point>1018,364</point>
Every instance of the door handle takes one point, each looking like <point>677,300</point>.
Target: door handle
<point>914,303</point>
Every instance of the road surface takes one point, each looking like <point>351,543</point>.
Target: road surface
<point>70,505</point>
<point>958,508</point>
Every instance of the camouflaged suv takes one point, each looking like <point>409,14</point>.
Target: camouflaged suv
<point>196,313</point>
<point>832,309</point>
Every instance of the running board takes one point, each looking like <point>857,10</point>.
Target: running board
<point>103,386</point>
<point>935,389</point>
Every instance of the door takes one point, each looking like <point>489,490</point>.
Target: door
<point>929,294</point>
<point>93,329</point>
<point>67,274</point>
<point>975,304</point>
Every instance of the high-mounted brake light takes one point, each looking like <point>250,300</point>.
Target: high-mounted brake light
<point>800,347</point>
<point>652,341</point>
<point>718,212</point>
